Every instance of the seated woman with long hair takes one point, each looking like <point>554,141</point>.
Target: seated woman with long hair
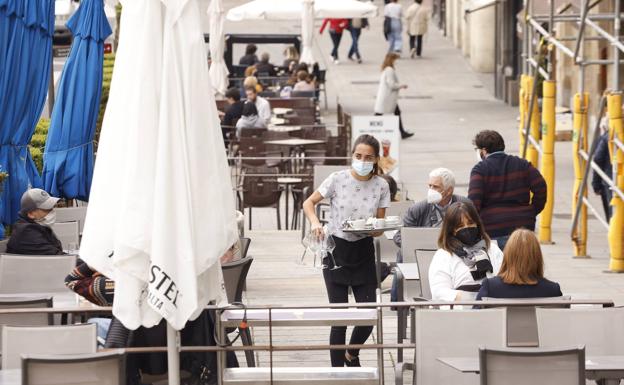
<point>465,257</point>
<point>522,272</point>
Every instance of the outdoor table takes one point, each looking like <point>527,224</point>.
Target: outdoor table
<point>281,110</point>
<point>279,128</point>
<point>275,120</point>
<point>287,183</point>
<point>296,146</point>
<point>609,369</point>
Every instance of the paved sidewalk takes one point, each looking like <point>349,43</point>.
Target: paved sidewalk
<point>445,105</point>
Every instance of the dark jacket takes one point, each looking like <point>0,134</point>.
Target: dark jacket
<point>423,214</point>
<point>495,288</point>
<point>31,238</point>
<point>248,60</point>
<point>604,162</point>
<point>233,113</point>
<point>500,188</point>
<point>265,69</point>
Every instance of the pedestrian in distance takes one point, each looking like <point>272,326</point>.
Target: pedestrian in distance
<point>393,26</point>
<point>355,27</point>
<point>417,18</point>
<point>388,92</point>
<point>336,27</point>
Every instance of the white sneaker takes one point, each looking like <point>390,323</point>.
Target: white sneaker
<point>336,61</point>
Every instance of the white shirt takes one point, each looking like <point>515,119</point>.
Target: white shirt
<point>447,272</point>
<point>350,198</point>
<point>393,10</point>
<point>264,109</point>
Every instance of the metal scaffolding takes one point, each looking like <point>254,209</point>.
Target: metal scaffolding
<point>540,42</point>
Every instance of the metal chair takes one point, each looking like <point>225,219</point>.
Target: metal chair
<point>26,319</point>
<point>68,233</point>
<point>44,274</point>
<point>532,366</point>
<point>98,368</point>
<point>451,333</point>
<point>522,330</point>
<point>72,214</point>
<point>234,277</point>
<point>423,259</point>
<point>418,238</point>
<point>72,339</point>
<point>595,328</point>
<point>244,245</point>
<point>261,191</point>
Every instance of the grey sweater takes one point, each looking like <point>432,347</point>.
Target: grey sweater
<point>423,214</point>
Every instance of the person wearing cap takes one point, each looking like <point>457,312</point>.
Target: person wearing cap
<point>32,233</point>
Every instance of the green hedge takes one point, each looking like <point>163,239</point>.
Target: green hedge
<point>37,143</point>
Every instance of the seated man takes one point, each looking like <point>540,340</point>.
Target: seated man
<point>234,109</point>
<point>264,67</point>
<point>32,233</point>
<point>430,212</point>
<point>262,105</point>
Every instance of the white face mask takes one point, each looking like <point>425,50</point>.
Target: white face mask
<point>48,220</point>
<point>479,157</point>
<point>433,196</point>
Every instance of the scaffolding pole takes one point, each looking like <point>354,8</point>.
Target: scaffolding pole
<point>601,26</point>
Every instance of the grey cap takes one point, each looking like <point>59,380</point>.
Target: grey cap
<point>36,198</point>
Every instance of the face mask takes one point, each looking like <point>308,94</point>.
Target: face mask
<point>479,157</point>
<point>433,196</point>
<point>362,168</point>
<point>468,235</point>
<point>48,220</point>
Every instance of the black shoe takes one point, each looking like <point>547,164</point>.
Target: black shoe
<point>405,134</point>
<point>354,363</point>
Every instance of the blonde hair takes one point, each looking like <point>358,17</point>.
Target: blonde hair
<point>523,263</point>
<point>291,53</point>
<point>250,71</point>
<point>250,82</point>
<point>389,60</point>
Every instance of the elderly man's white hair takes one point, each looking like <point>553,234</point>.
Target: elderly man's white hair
<point>448,178</point>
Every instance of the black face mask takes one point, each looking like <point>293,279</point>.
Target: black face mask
<point>468,235</point>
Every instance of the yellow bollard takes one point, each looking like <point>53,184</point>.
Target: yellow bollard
<point>548,158</point>
<point>616,226</point>
<point>579,141</point>
<point>522,104</point>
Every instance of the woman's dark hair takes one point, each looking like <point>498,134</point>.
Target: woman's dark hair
<point>233,93</point>
<point>250,49</point>
<point>453,219</point>
<point>369,140</point>
<point>491,140</point>
<point>392,184</point>
<point>249,109</point>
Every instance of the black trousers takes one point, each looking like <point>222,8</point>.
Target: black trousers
<point>335,37</point>
<point>338,293</point>
<point>415,41</point>
<point>397,112</point>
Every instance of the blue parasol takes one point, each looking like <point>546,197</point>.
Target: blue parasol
<point>68,156</point>
<point>26,29</point>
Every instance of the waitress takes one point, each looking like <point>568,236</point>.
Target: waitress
<point>355,193</point>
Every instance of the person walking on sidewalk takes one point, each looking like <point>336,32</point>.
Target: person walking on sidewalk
<point>417,17</point>
<point>355,27</point>
<point>394,12</point>
<point>387,101</point>
<point>336,27</point>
